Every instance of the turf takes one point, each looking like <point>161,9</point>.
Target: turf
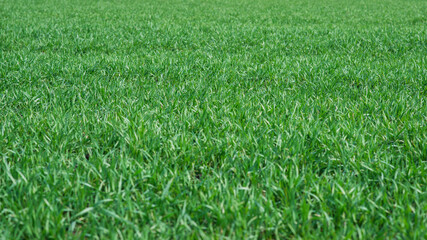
<point>213,119</point>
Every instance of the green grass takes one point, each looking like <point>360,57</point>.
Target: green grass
<point>213,119</point>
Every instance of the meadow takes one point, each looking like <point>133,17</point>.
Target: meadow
<point>213,119</point>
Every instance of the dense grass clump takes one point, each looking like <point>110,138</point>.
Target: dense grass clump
<point>208,119</point>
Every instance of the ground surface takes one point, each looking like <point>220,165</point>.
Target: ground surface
<point>240,119</point>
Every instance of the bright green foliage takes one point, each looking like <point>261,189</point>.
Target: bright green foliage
<point>208,119</point>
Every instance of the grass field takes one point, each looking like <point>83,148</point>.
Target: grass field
<point>240,119</point>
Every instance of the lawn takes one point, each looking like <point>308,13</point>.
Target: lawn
<point>215,119</point>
